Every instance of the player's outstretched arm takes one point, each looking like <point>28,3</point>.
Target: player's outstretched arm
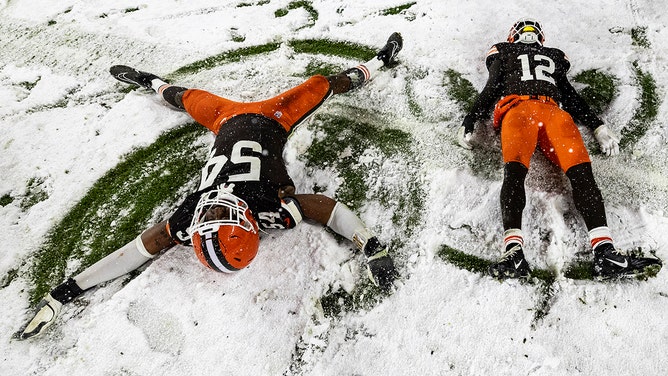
<point>344,222</point>
<point>122,261</point>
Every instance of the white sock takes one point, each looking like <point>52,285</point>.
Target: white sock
<point>347,224</point>
<point>157,83</point>
<point>600,235</point>
<point>513,235</point>
<point>120,262</point>
<point>373,66</point>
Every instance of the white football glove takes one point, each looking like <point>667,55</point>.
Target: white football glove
<point>608,141</point>
<point>46,313</point>
<point>464,139</point>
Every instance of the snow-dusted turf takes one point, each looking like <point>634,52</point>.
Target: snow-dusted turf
<point>64,122</point>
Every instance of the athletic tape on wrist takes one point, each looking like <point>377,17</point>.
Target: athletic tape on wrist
<point>141,248</point>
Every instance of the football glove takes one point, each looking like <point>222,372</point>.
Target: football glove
<point>464,138</point>
<point>48,309</point>
<point>46,313</point>
<point>380,266</point>
<point>608,141</point>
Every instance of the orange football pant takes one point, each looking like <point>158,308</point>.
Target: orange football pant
<point>288,109</point>
<point>534,122</point>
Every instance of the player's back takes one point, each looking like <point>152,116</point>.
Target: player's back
<point>529,69</point>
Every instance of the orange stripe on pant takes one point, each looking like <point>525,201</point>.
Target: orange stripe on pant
<point>288,108</point>
<point>533,122</point>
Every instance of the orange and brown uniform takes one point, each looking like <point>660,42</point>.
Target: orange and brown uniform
<point>248,150</point>
<point>535,104</point>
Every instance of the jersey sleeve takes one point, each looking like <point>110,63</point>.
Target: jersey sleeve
<point>490,93</point>
<point>180,220</point>
<point>287,216</point>
<point>573,103</point>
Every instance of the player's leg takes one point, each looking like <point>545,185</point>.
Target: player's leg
<point>354,78</point>
<point>519,135</point>
<point>564,146</point>
<point>204,107</point>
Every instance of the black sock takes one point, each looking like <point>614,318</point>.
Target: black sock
<point>513,196</point>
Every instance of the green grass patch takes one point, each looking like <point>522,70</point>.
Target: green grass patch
<point>8,278</point>
<point>639,37</point>
<point>601,89</point>
<point>6,199</point>
<point>397,9</point>
<point>223,58</point>
<point>477,264</point>
<point>328,47</point>
<point>363,297</point>
<point>344,140</point>
<point>259,3</point>
<point>119,206</point>
<point>580,270</point>
<point>645,113</point>
<point>460,89</point>
<point>315,67</point>
<point>35,193</point>
<point>29,85</point>
<point>236,37</point>
<point>413,105</point>
<point>463,260</point>
<point>545,280</point>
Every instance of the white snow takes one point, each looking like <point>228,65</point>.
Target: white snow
<point>177,318</point>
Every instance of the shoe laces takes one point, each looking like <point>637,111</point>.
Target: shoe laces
<point>510,252</point>
<point>605,250</point>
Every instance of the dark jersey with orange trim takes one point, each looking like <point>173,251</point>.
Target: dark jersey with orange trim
<point>248,156</point>
<point>529,69</point>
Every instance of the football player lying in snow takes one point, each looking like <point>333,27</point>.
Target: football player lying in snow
<point>535,106</point>
<point>244,186</point>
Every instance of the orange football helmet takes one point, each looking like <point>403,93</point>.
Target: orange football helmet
<point>526,30</point>
<point>223,232</point>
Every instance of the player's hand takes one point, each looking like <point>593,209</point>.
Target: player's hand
<point>382,272</point>
<point>464,138</point>
<point>608,141</point>
<point>45,314</point>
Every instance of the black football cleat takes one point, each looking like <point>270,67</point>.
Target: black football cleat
<point>391,49</point>
<point>511,265</point>
<point>610,263</point>
<point>132,76</point>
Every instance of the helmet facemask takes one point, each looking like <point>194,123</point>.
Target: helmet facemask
<point>221,208</point>
<point>526,30</point>
<point>223,231</point>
